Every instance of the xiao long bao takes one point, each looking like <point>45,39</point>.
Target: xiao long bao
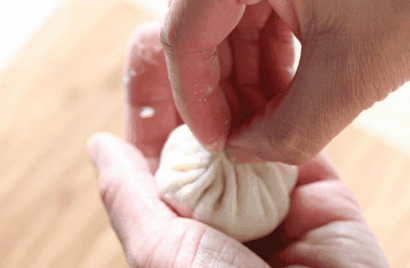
<point>245,201</point>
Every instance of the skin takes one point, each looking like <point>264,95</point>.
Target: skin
<point>237,60</point>
<point>324,228</point>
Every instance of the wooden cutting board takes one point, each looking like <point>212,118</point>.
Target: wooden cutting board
<point>64,86</point>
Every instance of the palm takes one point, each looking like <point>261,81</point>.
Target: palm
<point>322,208</point>
<point>316,232</point>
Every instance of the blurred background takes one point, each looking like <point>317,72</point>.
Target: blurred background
<point>60,81</point>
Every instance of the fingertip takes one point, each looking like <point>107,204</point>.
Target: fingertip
<point>94,144</point>
<point>90,143</point>
<point>209,125</point>
<point>94,141</point>
<point>144,37</point>
<point>146,30</point>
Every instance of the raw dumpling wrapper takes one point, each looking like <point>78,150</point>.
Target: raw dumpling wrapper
<point>246,201</point>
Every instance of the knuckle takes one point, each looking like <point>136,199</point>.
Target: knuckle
<point>169,38</point>
<point>163,37</point>
<point>174,44</point>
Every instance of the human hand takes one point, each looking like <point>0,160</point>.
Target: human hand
<point>324,227</point>
<point>231,72</point>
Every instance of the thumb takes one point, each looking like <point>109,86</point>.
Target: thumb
<point>128,191</point>
<point>323,98</point>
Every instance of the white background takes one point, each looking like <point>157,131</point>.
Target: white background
<point>21,19</point>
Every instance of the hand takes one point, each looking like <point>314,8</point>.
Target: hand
<point>324,227</point>
<point>230,69</point>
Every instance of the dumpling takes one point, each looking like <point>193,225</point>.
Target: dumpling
<point>245,201</point>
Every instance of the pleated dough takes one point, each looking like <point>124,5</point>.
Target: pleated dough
<point>246,201</point>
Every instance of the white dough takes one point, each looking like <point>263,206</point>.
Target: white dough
<point>245,201</point>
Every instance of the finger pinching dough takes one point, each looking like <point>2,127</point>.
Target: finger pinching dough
<point>245,201</point>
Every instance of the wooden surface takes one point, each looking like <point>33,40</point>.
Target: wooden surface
<point>64,86</point>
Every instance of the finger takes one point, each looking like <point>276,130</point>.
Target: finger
<point>320,168</point>
<point>226,63</point>
<point>318,204</point>
<point>245,42</point>
<point>150,113</point>
<point>278,55</point>
<point>319,197</point>
<point>286,11</point>
<point>312,206</point>
<point>317,106</point>
<point>128,190</point>
<point>338,244</point>
<point>190,36</point>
